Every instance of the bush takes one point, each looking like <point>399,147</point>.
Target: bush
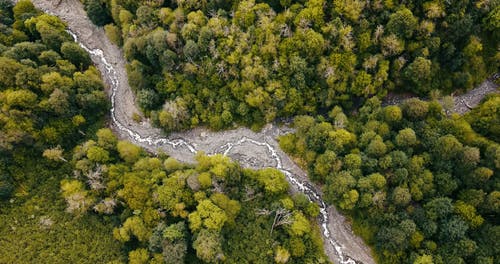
<point>97,12</point>
<point>147,99</point>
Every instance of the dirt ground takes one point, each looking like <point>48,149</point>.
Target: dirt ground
<point>251,149</point>
<point>463,102</point>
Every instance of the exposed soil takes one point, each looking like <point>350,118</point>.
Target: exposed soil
<point>463,102</point>
<point>251,149</point>
<point>469,100</point>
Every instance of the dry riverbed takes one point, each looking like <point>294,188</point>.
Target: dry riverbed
<point>251,149</point>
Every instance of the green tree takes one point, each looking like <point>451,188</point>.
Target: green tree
<point>391,45</point>
<point>401,196</point>
<point>49,57</point>
<point>468,213</point>
<point>376,148</point>
<point>392,114</point>
<point>78,199</point>
<point>114,34</point>
<point>76,55</point>
<point>453,229</point>
<point>406,138</point>
<point>207,215</point>
<point>51,30</point>
<point>8,70</point>
<point>352,162</point>
<point>485,119</point>
<point>362,85</point>
<point>97,12</point>
<point>23,99</point>
<point>325,164</point>
<point>402,23</point>
<point>351,9</point>
<point>349,200</point>
<point>419,73</point>
<point>208,246</point>
<point>493,201</point>
<point>53,80</point>
<point>415,109</point>
<point>231,207</point>
<point>300,226</point>
<point>438,208</point>
<point>171,241</point>
<point>147,99</point>
<point>57,103</point>
<point>133,226</point>
<point>272,180</point>
<point>424,259</point>
<point>391,238</point>
<point>138,256</point>
<point>106,138</point>
<point>98,154</point>
<point>128,151</point>
<point>448,147</point>
<point>282,255</point>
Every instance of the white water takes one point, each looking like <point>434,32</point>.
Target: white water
<point>305,187</point>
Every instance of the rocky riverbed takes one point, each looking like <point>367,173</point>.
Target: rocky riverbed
<point>251,149</point>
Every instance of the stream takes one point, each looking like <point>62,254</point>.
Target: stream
<point>308,189</point>
<point>251,149</point>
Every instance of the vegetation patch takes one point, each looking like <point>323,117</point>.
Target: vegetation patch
<point>421,187</point>
<point>249,62</point>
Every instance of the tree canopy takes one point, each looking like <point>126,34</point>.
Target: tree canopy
<point>51,99</point>
<point>172,212</point>
<point>249,62</point>
<point>416,182</point>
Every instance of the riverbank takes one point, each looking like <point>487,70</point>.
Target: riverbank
<point>251,149</point>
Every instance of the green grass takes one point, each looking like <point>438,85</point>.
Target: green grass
<point>23,239</point>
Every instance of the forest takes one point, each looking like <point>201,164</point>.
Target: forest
<point>49,92</point>
<point>50,98</point>
<point>419,183</point>
<point>71,192</point>
<point>224,62</point>
<point>420,186</point>
<point>211,212</point>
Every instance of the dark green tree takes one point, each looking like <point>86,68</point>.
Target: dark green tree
<point>97,12</point>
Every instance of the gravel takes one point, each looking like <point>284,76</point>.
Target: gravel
<point>463,103</point>
<point>251,149</point>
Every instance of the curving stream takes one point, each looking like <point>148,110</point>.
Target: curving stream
<point>304,187</point>
<point>251,149</point>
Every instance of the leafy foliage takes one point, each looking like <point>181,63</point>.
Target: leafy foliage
<point>97,12</point>
<point>49,93</point>
<point>36,227</point>
<point>485,119</point>
<point>172,212</point>
<point>250,62</point>
<point>47,106</point>
<point>417,187</point>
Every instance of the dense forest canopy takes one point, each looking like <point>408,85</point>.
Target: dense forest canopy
<point>421,187</point>
<point>217,62</point>
<point>73,193</point>
<point>49,92</point>
<point>211,212</point>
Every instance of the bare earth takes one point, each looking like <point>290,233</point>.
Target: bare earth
<point>463,102</point>
<point>251,149</point>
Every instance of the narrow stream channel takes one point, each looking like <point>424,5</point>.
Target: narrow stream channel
<point>471,99</point>
<point>308,189</point>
